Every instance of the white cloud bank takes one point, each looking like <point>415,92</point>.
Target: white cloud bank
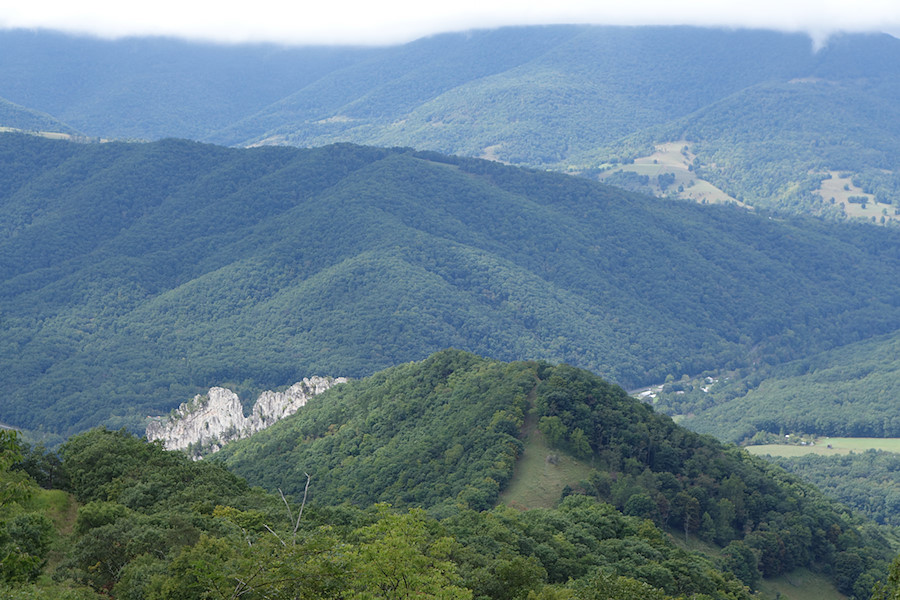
<point>392,21</point>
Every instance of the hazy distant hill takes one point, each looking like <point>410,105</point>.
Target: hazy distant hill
<point>778,143</point>
<point>135,275</point>
<point>764,118</point>
<point>18,117</point>
<point>153,88</point>
<point>572,89</point>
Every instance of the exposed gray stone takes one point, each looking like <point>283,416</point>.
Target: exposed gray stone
<point>207,422</point>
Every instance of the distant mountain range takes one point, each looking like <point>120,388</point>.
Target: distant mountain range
<point>465,299</point>
<point>762,118</point>
<point>137,275</point>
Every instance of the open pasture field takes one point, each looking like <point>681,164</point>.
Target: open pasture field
<point>828,447</point>
<point>675,158</point>
<point>841,189</point>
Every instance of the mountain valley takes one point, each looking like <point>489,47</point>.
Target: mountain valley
<point>484,238</point>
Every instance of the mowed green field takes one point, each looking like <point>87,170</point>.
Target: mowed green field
<point>828,447</point>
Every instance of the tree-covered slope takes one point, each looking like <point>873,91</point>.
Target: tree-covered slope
<point>868,482</point>
<point>442,432</point>
<point>844,392</point>
<point>13,116</point>
<point>419,434</point>
<point>153,88</point>
<point>532,95</point>
<point>773,143</point>
<point>136,275</point>
<point>765,116</point>
<point>151,524</point>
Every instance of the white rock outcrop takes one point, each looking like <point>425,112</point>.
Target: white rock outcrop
<point>207,422</point>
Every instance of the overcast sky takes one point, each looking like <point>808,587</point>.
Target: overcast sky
<point>392,21</point>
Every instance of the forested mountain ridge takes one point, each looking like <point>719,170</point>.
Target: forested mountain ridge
<point>152,88</point>
<point>151,524</point>
<point>137,275</point>
<point>777,143</point>
<point>766,117</point>
<point>19,118</point>
<point>445,432</point>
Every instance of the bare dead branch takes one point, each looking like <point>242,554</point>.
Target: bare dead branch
<point>290,513</point>
<point>275,534</point>
<point>302,505</point>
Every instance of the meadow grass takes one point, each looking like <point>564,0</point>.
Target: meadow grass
<point>538,482</point>
<point>838,445</point>
<point>800,584</point>
<point>834,188</point>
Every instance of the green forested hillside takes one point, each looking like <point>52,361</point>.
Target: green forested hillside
<point>17,117</point>
<point>442,432</point>
<point>152,524</point>
<point>766,117</point>
<point>151,88</point>
<point>847,391</point>
<point>772,144</point>
<point>868,482</point>
<point>417,435</point>
<point>534,96</point>
<point>136,275</point>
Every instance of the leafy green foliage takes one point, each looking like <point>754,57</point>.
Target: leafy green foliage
<point>137,275</point>
<point>419,434</point>
<point>843,392</point>
<point>649,468</point>
<point>579,542</point>
<point>160,526</point>
<point>24,544</point>
<point>25,536</point>
<point>732,497</point>
<point>867,482</point>
<point>141,501</point>
<point>227,541</point>
<point>47,591</point>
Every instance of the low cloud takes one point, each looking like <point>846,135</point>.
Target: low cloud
<point>394,21</point>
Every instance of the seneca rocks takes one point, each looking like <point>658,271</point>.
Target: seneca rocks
<point>207,422</point>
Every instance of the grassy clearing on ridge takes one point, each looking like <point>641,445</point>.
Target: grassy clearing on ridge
<point>537,481</point>
<point>800,584</point>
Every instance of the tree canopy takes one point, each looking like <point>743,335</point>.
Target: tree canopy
<point>137,275</point>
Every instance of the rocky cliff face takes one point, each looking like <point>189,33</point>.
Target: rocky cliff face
<point>206,423</point>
